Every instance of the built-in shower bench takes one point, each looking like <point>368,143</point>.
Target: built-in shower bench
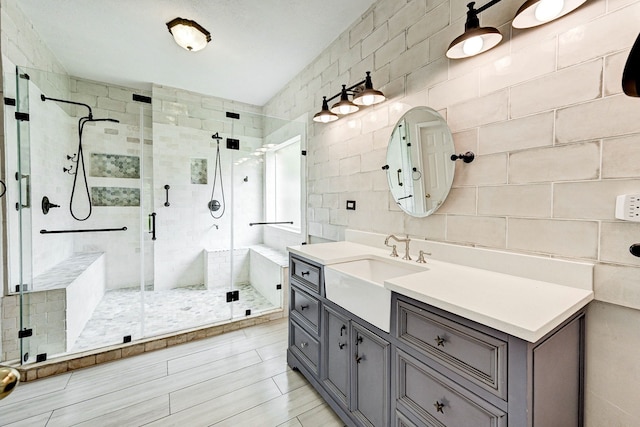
<point>260,265</point>
<point>65,273</point>
<point>62,299</point>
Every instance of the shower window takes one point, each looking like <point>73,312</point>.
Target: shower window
<point>283,183</point>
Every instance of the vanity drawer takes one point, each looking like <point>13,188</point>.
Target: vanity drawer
<point>438,401</point>
<point>306,307</point>
<point>476,356</point>
<point>306,347</point>
<point>306,274</point>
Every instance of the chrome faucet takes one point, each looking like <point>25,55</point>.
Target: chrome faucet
<point>406,248</point>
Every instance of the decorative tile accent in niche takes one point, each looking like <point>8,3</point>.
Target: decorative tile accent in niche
<point>114,166</point>
<point>198,171</point>
<point>115,196</point>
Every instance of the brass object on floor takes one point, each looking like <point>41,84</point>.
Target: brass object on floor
<point>9,379</point>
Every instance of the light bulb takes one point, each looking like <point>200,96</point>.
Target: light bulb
<point>345,109</point>
<point>472,46</point>
<point>368,100</point>
<point>325,118</point>
<point>189,38</point>
<point>548,9</point>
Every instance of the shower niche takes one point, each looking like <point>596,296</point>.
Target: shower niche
<point>167,236</point>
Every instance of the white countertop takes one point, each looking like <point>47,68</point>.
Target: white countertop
<point>522,307</point>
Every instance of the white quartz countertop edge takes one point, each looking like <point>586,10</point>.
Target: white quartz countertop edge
<point>525,308</point>
<point>489,316</point>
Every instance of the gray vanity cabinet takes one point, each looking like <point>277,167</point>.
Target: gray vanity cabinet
<point>435,369</point>
<point>356,365</point>
<point>341,355</point>
<point>305,308</point>
<point>336,355</point>
<point>370,377</point>
<point>450,371</point>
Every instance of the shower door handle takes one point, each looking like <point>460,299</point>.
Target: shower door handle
<point>27,193</point>
<point>152,225</point>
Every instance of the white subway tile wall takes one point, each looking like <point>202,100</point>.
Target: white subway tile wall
<point>555,141</point>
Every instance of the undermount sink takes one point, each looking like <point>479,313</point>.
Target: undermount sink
<point>358,286</point>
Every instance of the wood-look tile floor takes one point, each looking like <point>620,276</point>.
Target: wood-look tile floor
<point>240,378</point>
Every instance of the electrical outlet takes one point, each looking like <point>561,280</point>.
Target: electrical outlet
<point>628,207</point>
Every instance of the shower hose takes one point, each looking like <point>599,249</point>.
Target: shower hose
<point>217,171</point>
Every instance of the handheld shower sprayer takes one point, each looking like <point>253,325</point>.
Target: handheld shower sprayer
<point>80,159</point>
<point>213,204</point>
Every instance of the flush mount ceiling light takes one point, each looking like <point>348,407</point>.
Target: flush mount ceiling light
<point>537,12</point>
<point>475,39</point>
<point>189,34</point>
<point>362,96</point>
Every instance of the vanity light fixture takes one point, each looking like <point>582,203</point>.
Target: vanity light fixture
<point>631,73</point>
<point>368,96</point>
<point>344,106</point>
<point>537,12</point>
<point>477,39</point>
<point>362,96</point>
<point>325,116</point>
<point>189,34</point>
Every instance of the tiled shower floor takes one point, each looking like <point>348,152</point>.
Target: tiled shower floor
<point>119,314</point>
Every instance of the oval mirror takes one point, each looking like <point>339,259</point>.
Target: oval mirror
<point>419,166</point>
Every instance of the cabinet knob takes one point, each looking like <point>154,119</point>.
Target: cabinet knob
<point>341,345</point>
<point>304,344</point>
<point>439,407</point>
<point>304,273</point>
<point>358,340</point>
<point>303,307</point>
<point>343,329</point>
<point>358,358</point>
<point>440,341</point>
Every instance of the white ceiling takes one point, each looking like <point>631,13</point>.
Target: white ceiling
<point>257,46</point>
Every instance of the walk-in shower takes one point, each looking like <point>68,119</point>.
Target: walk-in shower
<point>143,256</point>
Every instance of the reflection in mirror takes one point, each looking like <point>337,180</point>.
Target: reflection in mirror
<point>419,169</point>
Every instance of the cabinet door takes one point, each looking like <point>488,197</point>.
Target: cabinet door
<point>336,350</point>
<point>370,377</point>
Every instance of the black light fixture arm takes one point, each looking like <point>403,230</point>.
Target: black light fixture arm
<point>350,90</point>
<point>484,7</point>
<point>472,14</point>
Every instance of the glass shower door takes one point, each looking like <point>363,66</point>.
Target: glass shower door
<point>22,196</point>
<point>191,251</point>
<point>81,277</point>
